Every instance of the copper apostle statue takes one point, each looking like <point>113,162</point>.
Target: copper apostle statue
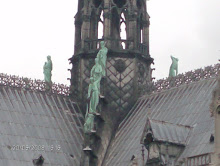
<point>174,67</point>
<point>102,56</point>
<point>47,70</point>
<point>48,67</point>
<point>96,74</point>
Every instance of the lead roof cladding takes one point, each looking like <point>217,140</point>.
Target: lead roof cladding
<point>50,125</point>
<point>186,105</point>
<point>168,132</point>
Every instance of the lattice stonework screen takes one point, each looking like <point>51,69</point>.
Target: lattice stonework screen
<point>124,78</point>
<point>119,85</point>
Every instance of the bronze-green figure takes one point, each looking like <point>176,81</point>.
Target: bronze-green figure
<point>48,67</point>
<point>174,67</point>
<point>102,56</point>
<point>96,73</point>
<point>93,94</point>
<point>89,123</point>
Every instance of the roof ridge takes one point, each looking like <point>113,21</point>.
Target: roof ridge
<point>172,88</point>
<point>190,77</point>
<point>32,84</point>
<point>165,122</point>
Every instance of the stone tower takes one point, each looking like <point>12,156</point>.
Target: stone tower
<point>124,26</point>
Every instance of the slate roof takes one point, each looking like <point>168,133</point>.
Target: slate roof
<point>168,132</point>
<point>31,120</point>
<point>184,104</point>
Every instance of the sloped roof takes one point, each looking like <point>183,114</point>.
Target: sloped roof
<point>35,120</point>
<point>184,104</point>
<point>167,132</point>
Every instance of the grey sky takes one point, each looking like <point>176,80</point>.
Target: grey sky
<point>32,29</point>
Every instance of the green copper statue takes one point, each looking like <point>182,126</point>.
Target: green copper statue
<point>48,67</point>
<point>173,67</point>
<point>96,73</point>
<point>89,123</point>
<point>102,56</point>
<point>93,94</point>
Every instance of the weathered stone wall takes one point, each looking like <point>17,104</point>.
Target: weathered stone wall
<point>215,111</point>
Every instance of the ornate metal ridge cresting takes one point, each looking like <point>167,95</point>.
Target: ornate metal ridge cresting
<point>188,77</point>
<point>34,85</point>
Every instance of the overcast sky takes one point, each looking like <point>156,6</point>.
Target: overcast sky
<point>32,29</point>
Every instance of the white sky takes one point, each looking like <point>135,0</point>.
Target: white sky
<point>32,29</point>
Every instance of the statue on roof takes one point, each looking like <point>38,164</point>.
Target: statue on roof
<point>48,67</point>
<point>102,56</point>
<point>174,67</point>
<point>47,70</point>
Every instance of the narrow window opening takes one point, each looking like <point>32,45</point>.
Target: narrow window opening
<point>123,34</point>
<point>100,26</point>
<point>141,35</point>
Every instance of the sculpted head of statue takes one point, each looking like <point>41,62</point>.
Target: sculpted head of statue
<point>102,44</point>
<point>48,57</point>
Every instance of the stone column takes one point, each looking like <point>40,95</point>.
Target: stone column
<point>132,30</point>
<point>77,42</point>
<point>85,29</point>
<point>107,22</point>
<point>146,34</point>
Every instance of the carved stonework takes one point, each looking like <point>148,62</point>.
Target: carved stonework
<point>118,85</point>
<point>154,151</point>
<point>128,65</point>
<point>120,65</point>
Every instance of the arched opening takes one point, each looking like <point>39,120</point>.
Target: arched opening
<point>140,29</point>
<point>141,35</point>
<point>120,3</point>
<point>123,32</point>
<point>100,26</point>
